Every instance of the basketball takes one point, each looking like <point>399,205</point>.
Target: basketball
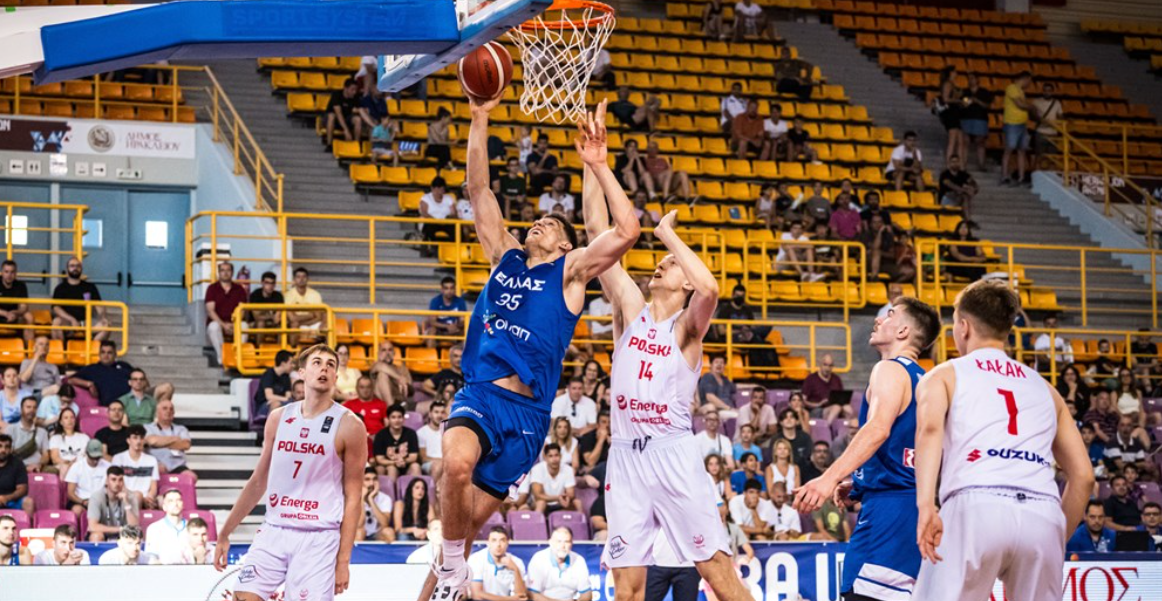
<point>486,71</point>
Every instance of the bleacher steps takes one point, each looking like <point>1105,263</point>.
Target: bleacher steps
<point>1118,68</point>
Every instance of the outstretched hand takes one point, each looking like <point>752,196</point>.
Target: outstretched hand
<point>666,225</point>
<point>591,137</point>
<point>482,106</point>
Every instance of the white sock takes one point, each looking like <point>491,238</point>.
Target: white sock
<point>453,554</point>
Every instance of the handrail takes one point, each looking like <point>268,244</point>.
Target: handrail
<point>76,229</point>
<point>242,329</point>
<point>88,328</point>
<point>757,270</point>
<point>228,126</point>
<point>932,287</point>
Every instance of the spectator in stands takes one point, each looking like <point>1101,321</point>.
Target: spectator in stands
<point>342,110</point>
<point>29,443</point>
<point>871,208</point>
<point>393,383</point>
<point>383,137</point>
<point>558,199</point>
<point>108,379</point>
<point>511,187</point>
<point>440,139</point>
<point>396,447</point>
<point>747,133</point>
<point>821,459</point>
<point>957,187</point>
<point>10,287</point>
<point>965,258</point>
<point>1151,523</point>
<point>437,204</point>
<point>1092,536</point>
<point>580,409</point>
<point>799,143</point>
<point>818,386</point>
<point>1104,369</point>
<point>1016,128</point>
<point>265,295</point>
<point>794,254</point>
<point>831,523</point>
<point>634,117</point>
<point>128,550</point>
<point>167,537</point>
<point>37,373</point>
<point>346,376</point>
<point>222,299</point>
<point>451,374</point>
<point>598,328</point>
<point>907,162</point>
<point>845,221</point>
<point>751,21</point>
<point>716,391</point>
<point>1128,446</point>
<point>140,406</point>
<point>765,210</point>
<point>66,445</point>
<point>168,442</point>
<point>974,119</point>
<point>447,300</point>
<point>429,436</point>
<point>541,165</point>
<point>198,549</point>
<point>1144,353</point>
<point>1130,402</point>
<point>759,415</point>
<point>594,380</point>
<point>1121,512</point>
<point>669,183</point>
<point>11,553</point>
<point>112,507</point>
<point>880,241</point>
<point>712,24</point>
<point>1096,449</point>
<point>594,444</point>
<point>553,483</point>
<point>11,397</point>
<point>13,480</point>
<point>794,432</point>
<point>603,70</point>
<point>141,469</point>
<point>561,434</point>
<point>1044,343</point>
<point>557,573</point>
<point>745,445</point>
<point>302,294</point>
<point>755,515</point>
<point>1134,487</point>
<point>74,288</point>
<point>630,169</point>
<point>64,551</point>
<point>793,76</point>
<point>814,205</point>
<point>1047,112</point>
<point>1103,416</point>
<point>775,129</point>
<point>298,391</point>
<point>415,514</point>
<point>782,468</point>
<point>114,437</point>
<point>371,410</point>
<point>796,403</point>
<point>947,107</point>
<point>743,333</point>
<point>377,510</point>
<point>733,105</point>
<point>274,385</point>
<point>711,440</point>
<point>789,527</point>
<point>1073,388</point>
<point>496,574</point>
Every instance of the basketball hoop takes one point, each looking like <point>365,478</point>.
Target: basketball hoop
<point>558,52</point>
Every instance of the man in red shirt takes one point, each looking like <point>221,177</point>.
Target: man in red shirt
<point>817,390</point>
<point>371,410</point>
<point>222,298</point>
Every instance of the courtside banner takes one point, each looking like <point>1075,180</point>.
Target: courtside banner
<point>779,572</point>
<point>113,138</point>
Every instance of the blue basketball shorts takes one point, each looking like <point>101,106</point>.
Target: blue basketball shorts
<point>512,432</point>
<point>882,559</point>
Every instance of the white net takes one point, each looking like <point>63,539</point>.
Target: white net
<point>558,57</point>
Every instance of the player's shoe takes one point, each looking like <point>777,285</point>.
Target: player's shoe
<point>451,585</point>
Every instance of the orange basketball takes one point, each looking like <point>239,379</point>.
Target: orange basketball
<point>486,71</point>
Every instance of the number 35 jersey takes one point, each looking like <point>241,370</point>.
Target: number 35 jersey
<point>651,385</point>
<point>1000,427</point>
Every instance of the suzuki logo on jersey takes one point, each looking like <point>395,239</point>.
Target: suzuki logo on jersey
<point>304,448</point>
<point>1018,455</point>
<point>518,282</point>
<point>1007,369</point>
<point>910,458</point>
<point>304,433</point>
<point>974,456</point>
<point>649,348</point>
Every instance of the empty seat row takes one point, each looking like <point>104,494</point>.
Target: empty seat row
<point>86,88</point>
<point>931,13</point>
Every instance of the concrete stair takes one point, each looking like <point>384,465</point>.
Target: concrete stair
<point>1066,20</point>
<point>1115,67</point>
<point>223,462</point>
<point>165,342</point>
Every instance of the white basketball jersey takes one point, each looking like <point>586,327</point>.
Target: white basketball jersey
<point>1000,427</point>
<point>651,386</point>
<point>304,489</point>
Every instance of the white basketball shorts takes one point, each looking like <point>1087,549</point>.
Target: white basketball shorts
<point>996,533</point>
<point>653,484</point>
<point>303,559</point>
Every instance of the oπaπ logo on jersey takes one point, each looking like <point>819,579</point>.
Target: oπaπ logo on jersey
<point>617,547</point>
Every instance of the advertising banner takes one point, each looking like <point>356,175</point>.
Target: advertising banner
<point>114,138</point>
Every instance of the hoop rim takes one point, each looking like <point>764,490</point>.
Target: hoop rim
<point>538,24</point>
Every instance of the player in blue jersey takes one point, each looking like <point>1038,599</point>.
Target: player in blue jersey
<point>882,559</point>
<point>521,325</point>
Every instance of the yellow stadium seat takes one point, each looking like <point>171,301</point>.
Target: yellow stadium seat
<point>474,280</point>
<point>786,290</point>
<point>364,330</point>
<point>300,102</point>
<point>11,350</point>
<point>358,358</point>
<point>396,176</point>
<point>926,222</point>
<point>409,201</point>
<point>705,213</point>
<point>404,333</point>
<point>897,199</point>
<point>423,360</point>
<point>364,174</point>
<point>794,368</point>
<point>343,149</point>
<point>343,331</point>
<point>739,168</point>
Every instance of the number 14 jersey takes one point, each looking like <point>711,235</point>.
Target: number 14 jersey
<point>651,385</point>
<point>1000,427</point>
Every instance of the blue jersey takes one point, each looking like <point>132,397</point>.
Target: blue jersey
<point>892,468</point>
<point>521,325</point>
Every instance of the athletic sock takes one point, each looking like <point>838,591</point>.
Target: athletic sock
<point>453,554</point>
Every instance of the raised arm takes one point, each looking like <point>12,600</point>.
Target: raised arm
<point>623,293</point>
<point>487,217</point>
<point>696,319</point>
<point>1071,455</point>
<point>933,398</point>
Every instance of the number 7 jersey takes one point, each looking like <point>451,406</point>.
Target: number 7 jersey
<point>304,488</point>
<point>651,385</point>
<point>1000,427</point>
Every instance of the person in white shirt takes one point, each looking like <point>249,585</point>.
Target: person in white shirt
<point>166,538</point>
<point>714,442</point>
<point>1044,343</point>
<point>141,469</point>
<point>128,550</point>
<point>732,106</point>
<point>558,195</point>
<point>603,70</point>
<point>800,257</point>
<point>64,551</point>
<point>85,477</point>
<point>168,442</point>
<point>755,515</point>
<point>776,130</point>
<point>377,507</point>
<point>907,162</point>
<point>750,20</point>
<point>198,550</point>
<point>437,204</point>
<point>580,409</point>
<point>497,575</point>
<point>68,444</point>
<point>552,484</point>
<point>557,573</point>
<point>426,554</point>
<point>431,445</point>
<point>600,307</point>
<point>787,523</point>
<point>759,415</point>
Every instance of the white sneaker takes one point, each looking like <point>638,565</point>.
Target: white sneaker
<point>451,585</point>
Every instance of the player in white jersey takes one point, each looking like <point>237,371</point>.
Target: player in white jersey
<point>990,429</point>
<point>655,479</point>
<point>311,469</point>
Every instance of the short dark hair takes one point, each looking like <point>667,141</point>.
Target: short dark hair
<point>131,533</point>
<point>370,470</point>
<point>135,430</point>
<point>570,233</point>
<point>746,457</point>
<point>552,446</point>
<point>114,470</point>
<point>751,483</point>
<point>438,182</point>
<point>176,491</point>
<point>109,343</point>
<point>67,390</point>
<point>283,356</point>
<point>577,380</point>
<point>825,444</point>
<point>1086,426</point>
<point>269,275</point>
<point>118,401</point>
<point>785,412</point>
<point>302,270</point>
<point>7,518</point>
<point>1115,478</point>
<point>909,134</point>
<point>738,287</point>
<point>992,303</point>
<point>1150,504</point>
<point>603,413</point>
<point>498,530</point>
<point>1024,74</point>
<point>65,530</point>
<point>5,438</point>
<point>8,262</point>
<point>396,408</point>
<point>196,522</point>
<point>443,112</point>
<point>543,138</point>
<point>447,280</point>
<point>1094,503</point>
<point>925,318</point>
<point>350,81</point>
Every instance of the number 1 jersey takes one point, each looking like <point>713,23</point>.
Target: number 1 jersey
<point>651,385</point>
<point>1000,427</point>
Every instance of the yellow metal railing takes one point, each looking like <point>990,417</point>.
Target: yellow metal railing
<point>935,286</point>
<point>72,225</point>
<point>42,324</point>
<point>228,126</point>
<point>752,265</point>
<point>284,332</point>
